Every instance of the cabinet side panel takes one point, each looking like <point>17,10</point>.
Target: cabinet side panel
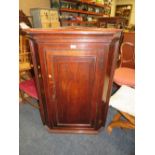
<point>112,59</point>
<point>40,89</point>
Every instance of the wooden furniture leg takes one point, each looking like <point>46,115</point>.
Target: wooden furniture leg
<point>117,117</point>
<point>130,118</point>
<point>117,122</point>
<point>28,100</point>
<point>120,123</point>
<point>22,96</point>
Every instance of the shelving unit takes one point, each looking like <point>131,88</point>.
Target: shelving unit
<point>82,12</point>
<point>112,22</point>
<point>124,11</point>
<point>88,3</point>
<point>85,13</point>
<point>80,22</point>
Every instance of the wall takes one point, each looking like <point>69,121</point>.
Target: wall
<point>25,5</point>
<point>121,2</point>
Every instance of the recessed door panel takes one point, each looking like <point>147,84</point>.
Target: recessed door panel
<point>71,81</point>
<point>74,77</point>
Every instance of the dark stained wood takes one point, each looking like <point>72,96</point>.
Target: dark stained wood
<point>129,37</point>
<point>119,22</point>
<point>25,19</point>
<point>79,22</point>
<point>74,70</point>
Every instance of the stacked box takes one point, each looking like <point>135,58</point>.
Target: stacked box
<point>54,19</point>
<point>45,18</point>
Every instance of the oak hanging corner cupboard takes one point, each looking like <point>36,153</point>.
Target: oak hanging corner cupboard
<point>74,72</point>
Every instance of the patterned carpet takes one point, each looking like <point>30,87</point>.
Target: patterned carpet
<point>35,140</point>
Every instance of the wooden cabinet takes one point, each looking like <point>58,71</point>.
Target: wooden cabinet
<point>74,71</point>
<point>111,22</point>
<point>124,11</point>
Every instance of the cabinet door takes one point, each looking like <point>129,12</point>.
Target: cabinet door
<point>73,80</point>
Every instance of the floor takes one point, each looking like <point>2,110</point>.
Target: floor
<point>35,140</point>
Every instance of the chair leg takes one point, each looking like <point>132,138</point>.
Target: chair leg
<point>35,106</point>
<point>130,118</point>
<point>28,100</point>
<point>117,117</point>
<point>22,96</point>
<point>117,123</point>
<point>120,123</point>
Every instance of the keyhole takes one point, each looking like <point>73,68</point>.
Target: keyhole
<point>50,76</point>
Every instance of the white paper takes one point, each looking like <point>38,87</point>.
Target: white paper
<point>24,25</point>
<point>124,100</point>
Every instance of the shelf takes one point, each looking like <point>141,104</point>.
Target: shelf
<point>88,3</point>
<point>82,7</point>
<point>81,11</point>
<point>79,22</point>
<point>124,11</point>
